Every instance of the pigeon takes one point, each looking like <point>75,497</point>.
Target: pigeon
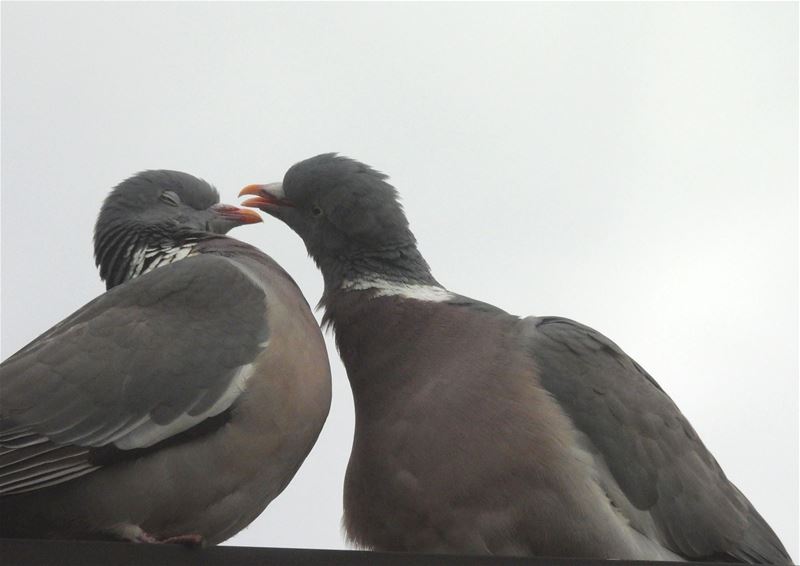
<point>175,406</point>
<point>481,432</point>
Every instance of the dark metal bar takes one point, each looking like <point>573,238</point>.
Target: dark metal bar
<point>89,553</point>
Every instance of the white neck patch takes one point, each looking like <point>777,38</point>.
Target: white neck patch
<point>147,259</point>
<point>384,288</point>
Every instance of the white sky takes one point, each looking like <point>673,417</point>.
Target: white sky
<point>631,166</point>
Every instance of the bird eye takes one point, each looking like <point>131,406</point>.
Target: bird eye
<point>315,210</point>
<point>171,198</point>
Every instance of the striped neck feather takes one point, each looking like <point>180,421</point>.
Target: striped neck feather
<point>146,259</point>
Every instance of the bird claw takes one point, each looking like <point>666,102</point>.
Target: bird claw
<point>144,538</point>
<point>134,533</point>
<point>191,540</point>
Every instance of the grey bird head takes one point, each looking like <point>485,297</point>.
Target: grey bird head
<point>159,209</point>
<point>349,217</point>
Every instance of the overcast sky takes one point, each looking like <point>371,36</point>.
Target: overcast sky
<point>631,166</point>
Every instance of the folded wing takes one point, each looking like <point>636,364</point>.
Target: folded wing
<point>144,363</point>
<point>651,462</point>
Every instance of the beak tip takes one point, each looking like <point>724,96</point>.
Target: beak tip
<point>269,198</point>
<point>251,190</point>
<point>236,214</point>
<point>250,216</point>
<point>255,202</point>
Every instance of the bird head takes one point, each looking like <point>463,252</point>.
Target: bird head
<point>169,201</point>
<point>158,209</point>
<point>338,206</point>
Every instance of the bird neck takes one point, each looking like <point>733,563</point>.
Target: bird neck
<point>126,253</point>
<point>395,270</point>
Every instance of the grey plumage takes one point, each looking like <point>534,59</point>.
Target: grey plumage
<point>478,431</point>
<point>181,401</point>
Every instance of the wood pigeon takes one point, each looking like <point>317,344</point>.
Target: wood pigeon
<point>178,404</point>
<point>482,432</point>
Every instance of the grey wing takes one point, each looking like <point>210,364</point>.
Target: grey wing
<point>653,465</point>
<point>142,363</point>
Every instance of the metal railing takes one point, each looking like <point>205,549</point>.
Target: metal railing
<point>88,553</point>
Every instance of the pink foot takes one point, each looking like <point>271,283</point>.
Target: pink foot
<point>135,533</point>
<point>143,537</point>
<point>191,540</point>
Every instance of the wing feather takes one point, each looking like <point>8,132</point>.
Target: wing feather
<point>142,363</point>
<point>657,466</point>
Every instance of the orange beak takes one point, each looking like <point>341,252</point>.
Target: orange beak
<point>266,197</point>
<point>236,214</point>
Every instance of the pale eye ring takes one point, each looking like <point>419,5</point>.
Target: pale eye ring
<point>171,198</point>
<point>316,211</point>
